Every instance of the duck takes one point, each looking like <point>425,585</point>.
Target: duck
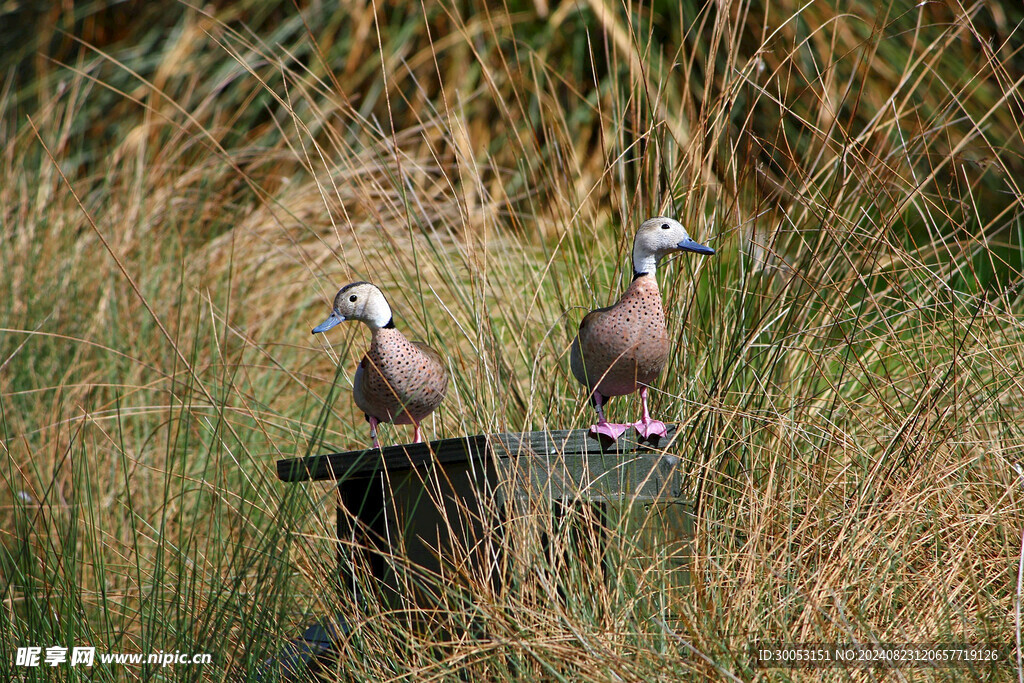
<point>624,347</point>
<point>397,381</point>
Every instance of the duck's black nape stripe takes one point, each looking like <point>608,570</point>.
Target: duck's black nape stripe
<point>636,275</point>
<point>390,324</point>
<point>354,284</point>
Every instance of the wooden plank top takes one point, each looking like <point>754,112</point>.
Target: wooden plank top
<point>560,442</point>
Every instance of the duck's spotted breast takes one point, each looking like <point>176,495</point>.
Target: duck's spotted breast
<point>399,381</point>
<point>625,345</point>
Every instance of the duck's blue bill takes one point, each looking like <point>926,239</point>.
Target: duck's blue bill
<point>695,247</point>
<point>332,320</point>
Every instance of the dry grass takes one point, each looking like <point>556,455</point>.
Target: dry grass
<point>184,192</point>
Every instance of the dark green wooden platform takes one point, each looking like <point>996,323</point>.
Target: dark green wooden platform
<point>416,502</point>
<point>571,443</point>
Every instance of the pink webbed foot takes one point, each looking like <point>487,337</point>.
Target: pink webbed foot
<point>603,427</point>
<point>609,429</point>
<point>647,429</point>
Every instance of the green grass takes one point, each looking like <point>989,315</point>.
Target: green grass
<point>185,189</point>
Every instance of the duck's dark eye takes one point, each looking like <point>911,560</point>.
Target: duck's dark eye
<point>664,226</point>
<point>353,298</point>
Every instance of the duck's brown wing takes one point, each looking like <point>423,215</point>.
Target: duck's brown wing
<point>435,360</point>
<point>580,344</point>
<point>430,353</point>
<point>359,387</point>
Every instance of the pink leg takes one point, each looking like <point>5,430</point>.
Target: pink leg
<point>647,427</point>
<point>604,427</point>
<point>373,430</point>
<point>417,437</point>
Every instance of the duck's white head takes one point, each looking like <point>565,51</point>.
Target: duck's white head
<point>658,237</point>
<point>358,301</point>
